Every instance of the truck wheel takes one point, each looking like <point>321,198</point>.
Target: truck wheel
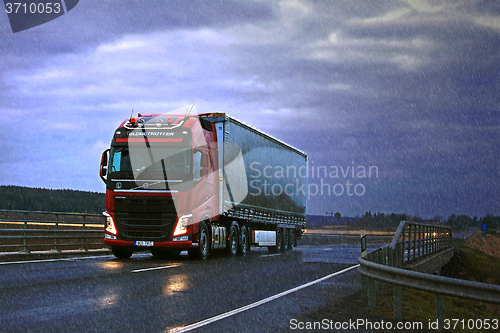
<point>201,252</point>
<point>291,239</point>
<point>243,248</point>
<point>232,246</point>
<point>122,252</point>
<point>286,239</point>
<point>279,240</point>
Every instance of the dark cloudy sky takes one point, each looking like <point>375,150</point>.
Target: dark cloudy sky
<point>408,87</point>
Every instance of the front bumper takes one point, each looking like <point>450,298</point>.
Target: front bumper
<point>177,244</point>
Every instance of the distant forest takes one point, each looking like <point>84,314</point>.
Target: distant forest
<point>456,222</point>
<point>391,221</point>
<point>38,199</point>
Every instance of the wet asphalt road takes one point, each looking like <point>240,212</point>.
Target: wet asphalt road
<point>143,294</point>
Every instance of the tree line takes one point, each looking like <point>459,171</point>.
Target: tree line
<point>39,199</point>
<point>456,222</point>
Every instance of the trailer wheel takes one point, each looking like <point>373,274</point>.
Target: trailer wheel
<point>232,246</point>
<point>286,239</point>
<point>122,252</point>
<point>243,248</point>
<point>201,252</point>
<point>291,239</point>
<point>279,240</point>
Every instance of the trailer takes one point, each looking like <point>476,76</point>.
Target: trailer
<point>200,182</point>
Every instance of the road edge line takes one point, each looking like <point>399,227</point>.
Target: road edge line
<point>255,304</point>
<point>153,268</point>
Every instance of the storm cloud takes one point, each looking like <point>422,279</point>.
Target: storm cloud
<point>410,87</point>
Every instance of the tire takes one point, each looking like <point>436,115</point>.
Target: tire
<point>279,240</point>
<point>203,249</point>
<point>122,252</point>
<point>243,241</point>
<point>232,243</point>
<point>286,239</point>
<point>291,239</point>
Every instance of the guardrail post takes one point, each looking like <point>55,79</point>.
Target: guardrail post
<point>440,239</point>
<point>398,256</point>
<point>417,242</point>
<point>420,241</point>
<point>363,244</point>
<point>390,257</point>
<point>403,239</point>
<point>434,240</point>
<point>426,240</point>
<point>414,242</point>
<point>409,243</point>
<point>25,227</point>
<point>439,311</point>
<point>84,247</point>
<point>398,307</point>
<point>56,234</point>
<point>364,289</point>
<point>372,293</point>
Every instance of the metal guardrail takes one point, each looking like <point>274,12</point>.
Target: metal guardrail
<point>329,239</point>
<point>414,241</point>
<point>432,283</point>
<point>27,231</point>
<point>414,246</point>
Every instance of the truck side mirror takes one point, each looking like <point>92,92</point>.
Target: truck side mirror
<point>104,165</point>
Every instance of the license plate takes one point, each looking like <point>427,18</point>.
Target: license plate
<point>144,243</point>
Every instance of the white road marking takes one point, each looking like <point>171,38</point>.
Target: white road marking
<point>253,305</point>
<point>270,255</point>
<point>153,268</point>
<point>49,260</point>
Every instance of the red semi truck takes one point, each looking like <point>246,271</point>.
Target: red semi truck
<point>200,183</point>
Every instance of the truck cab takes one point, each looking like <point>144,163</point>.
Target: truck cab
<point>179,182</point>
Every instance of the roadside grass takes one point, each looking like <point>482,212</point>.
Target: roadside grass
<point>420,306</point>
<point>467,264</point>
<point>489,244</point>
<point>481,267</point>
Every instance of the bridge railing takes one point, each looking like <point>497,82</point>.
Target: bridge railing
<point>27,231</point>
<point>415,251</point>
<point>413,245</point>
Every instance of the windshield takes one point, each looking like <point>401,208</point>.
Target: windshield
<point>152,163</point>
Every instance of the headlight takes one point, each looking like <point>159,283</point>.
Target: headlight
<point>182,224</point>
<point>110,224</point>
